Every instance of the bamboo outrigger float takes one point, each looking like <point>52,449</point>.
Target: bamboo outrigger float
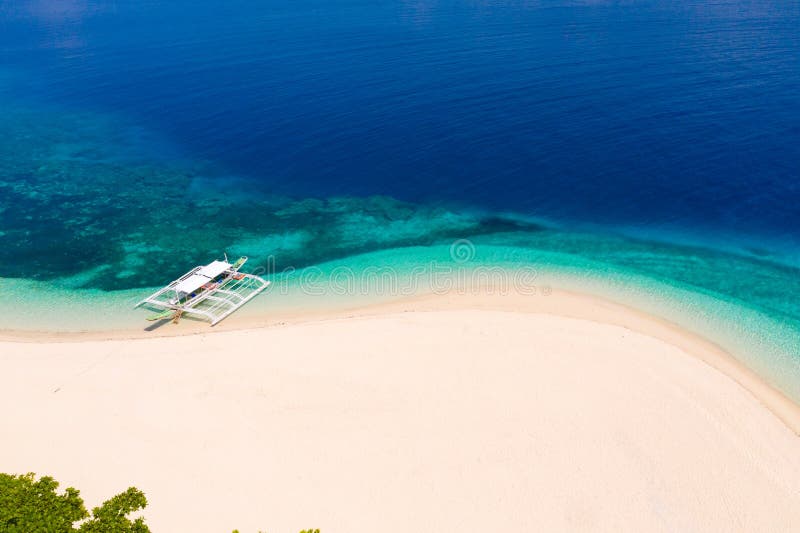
<point>212,292</point>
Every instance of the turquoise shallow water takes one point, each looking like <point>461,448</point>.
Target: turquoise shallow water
<point>736,301</point>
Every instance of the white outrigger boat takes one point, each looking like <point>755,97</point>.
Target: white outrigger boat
<point>212,292</point>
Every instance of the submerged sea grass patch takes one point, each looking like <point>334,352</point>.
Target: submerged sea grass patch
<point>80,203</point>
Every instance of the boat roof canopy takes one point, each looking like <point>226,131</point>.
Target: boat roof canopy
<point>191,284</point>
<point>214,269</point>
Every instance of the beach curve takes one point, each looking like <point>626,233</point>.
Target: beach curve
<point>274,420</point>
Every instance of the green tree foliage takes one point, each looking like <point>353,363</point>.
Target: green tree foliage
<point>28,505</point>
<point>304,531</point>
<point>111,517</point>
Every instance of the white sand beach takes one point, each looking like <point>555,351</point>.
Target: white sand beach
<point>460,413</point>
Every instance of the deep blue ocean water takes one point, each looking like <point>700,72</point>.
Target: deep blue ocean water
<point>681,116</point>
